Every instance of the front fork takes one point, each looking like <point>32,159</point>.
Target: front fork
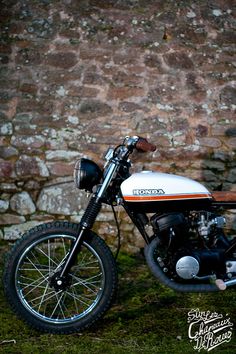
<point>87,221</point>
<point>86,224</point>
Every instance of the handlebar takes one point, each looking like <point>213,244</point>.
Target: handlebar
<point>144,146</point>
<point>130,143</point>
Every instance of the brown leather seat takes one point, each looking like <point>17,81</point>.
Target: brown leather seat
<point>229,196</point>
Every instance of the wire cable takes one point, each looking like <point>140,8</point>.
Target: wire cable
<point>118,231</point>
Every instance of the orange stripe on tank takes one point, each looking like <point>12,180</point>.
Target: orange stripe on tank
<point>166,197</point>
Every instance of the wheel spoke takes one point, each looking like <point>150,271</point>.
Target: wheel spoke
<point>36,275</point>
<point>49,257</point>
<point>86,283</point>
<point>43,297</point>
<point>84,264</point>
<point>57,304</point>
<point>33,285</point>
<point>35,267</point>
<point>79,298</point>
<point>50,260</point>
<point>75,302</point>
<point>50,295</point>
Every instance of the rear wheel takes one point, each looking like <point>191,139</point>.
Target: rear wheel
<point>32,288</point>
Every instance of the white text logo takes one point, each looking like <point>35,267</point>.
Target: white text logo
<point>148,191</point>
<point>208,329</point>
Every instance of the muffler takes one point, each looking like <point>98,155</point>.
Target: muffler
<point>191,288</point>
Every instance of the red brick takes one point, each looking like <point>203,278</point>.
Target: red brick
<point>61,168</point>
<point>121,93</point>
<point>5,48</point>
<point>82,91</point>
<point>28,88</point>
<point>231,143</point>
<point>9,219</point>
<point>178,60</point>
<point>6,169</point>
<point>61,59</point>
<point>29,56</point>
<point>90,53</point>
<point>210,142</point>
<point>60,76</point>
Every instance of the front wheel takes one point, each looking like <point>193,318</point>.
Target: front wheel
<point>30,274</point>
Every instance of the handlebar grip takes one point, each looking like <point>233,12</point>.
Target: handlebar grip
<point>144,146</point>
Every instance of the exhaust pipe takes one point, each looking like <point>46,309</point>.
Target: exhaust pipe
<point>191,288</point>
<point>230,282</point>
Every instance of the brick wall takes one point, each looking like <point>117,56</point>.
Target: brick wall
<point>77,76</point>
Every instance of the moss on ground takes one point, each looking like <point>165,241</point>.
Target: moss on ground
<point>146,318</point>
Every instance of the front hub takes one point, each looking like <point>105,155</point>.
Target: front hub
<point>60,283</point>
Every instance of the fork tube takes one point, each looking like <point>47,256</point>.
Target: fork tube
<point>86,224</point>
<point>110,173</point>
<point>72,254</point>
<point>88,218</point>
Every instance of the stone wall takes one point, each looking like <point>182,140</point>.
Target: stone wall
<point>77,76</point>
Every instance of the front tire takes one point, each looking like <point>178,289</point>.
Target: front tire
<point>30,272</point>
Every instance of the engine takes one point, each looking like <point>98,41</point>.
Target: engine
<point>192,245</point>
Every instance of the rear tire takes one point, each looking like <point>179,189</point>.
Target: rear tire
<point>28,279</point>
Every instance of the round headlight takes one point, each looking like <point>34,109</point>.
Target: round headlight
<point>86,174</point>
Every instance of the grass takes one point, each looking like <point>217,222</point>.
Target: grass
<point>146,318</point>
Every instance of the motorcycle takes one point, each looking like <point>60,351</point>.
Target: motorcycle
<point>61,277</point>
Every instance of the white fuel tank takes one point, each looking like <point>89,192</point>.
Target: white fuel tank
<point>148,187</point>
